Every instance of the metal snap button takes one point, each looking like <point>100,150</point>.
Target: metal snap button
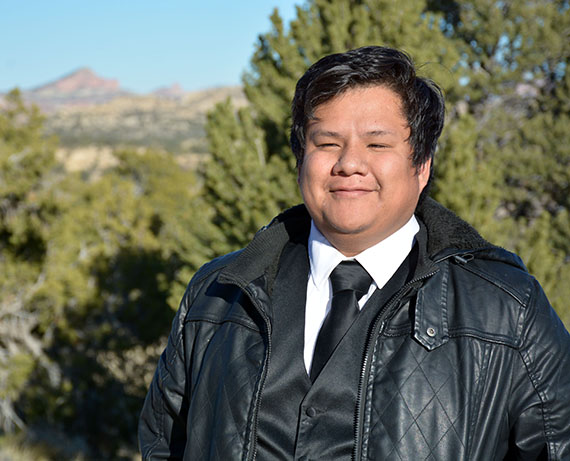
<point>431,332</point>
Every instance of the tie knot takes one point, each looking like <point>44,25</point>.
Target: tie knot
<point>350,275</point>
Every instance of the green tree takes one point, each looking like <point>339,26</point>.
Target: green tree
<point>119,255</point>
<point>516,159</point>
<point>503,158</point>
<point>243,185</point>
<point>27,162</point>
<point>93,267</point>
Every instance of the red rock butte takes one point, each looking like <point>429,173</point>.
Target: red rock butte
<point>83,78</point>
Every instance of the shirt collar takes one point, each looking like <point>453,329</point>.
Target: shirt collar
<point>381,260</point>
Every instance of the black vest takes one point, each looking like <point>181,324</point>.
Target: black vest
<point>298,420</point>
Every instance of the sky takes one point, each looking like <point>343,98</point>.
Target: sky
<point>144,44</point>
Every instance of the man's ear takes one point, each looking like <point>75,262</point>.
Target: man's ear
<point>424,171</point>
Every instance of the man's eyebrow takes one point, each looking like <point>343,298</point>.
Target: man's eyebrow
<point>378,132</point>
<point>335,134</point>
<point>331,134</point>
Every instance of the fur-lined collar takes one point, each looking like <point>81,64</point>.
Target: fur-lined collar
<point>446,234</point>
<point>447,230</point>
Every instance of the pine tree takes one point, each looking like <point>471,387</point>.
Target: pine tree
<point>243,184</point>
<point>517,94</point>
<point>503,158</point>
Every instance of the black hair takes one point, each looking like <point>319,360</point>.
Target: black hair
<point>422,99</point>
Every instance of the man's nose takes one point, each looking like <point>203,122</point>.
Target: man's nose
<point>351,160</point>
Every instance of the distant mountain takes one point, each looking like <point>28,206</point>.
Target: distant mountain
<point>82,80</point>
<point>82,87</point>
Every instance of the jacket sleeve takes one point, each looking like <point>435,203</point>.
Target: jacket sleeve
<point>540,398</point>
<point>162,423</point>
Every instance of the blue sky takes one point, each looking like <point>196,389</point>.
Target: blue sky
<point>144,44</point>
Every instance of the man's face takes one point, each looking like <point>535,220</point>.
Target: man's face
<point>357,177</point>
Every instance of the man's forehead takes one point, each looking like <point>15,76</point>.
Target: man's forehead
<point>311,115</point>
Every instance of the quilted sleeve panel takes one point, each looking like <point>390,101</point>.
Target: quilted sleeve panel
<point>162,423</point>
<point>540,400</point>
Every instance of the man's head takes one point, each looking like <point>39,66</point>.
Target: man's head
<point>422,100</point>
<point>364,133</point>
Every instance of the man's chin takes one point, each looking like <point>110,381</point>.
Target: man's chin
<point>345,232</point>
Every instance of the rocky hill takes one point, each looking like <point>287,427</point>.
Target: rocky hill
<point>81,88</point>
<point>91,114</point>
<point>174,123</point>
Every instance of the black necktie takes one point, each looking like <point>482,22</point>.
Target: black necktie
<point>350,282</point>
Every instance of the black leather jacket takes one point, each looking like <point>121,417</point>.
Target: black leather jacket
<point>468,360</point>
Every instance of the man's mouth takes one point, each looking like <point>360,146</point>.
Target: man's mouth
<point>350,191</point>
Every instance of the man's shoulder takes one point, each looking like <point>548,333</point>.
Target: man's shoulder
<point>497,267</point>
<point>215,266</point>
<point>248,263</point>
<point>493,296</point>
<point>203,280</point>
<point>450,238</point>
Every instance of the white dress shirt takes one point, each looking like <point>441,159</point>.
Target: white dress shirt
<point>381,261</point>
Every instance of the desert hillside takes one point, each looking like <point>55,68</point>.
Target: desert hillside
<point>92,115</point>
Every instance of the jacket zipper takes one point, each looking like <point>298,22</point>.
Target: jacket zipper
<point>377,329</point>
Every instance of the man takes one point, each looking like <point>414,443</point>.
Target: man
<point>370,323</point>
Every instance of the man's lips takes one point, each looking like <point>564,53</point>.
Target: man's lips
<point>350,191</point>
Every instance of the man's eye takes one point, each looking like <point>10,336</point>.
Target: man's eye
<point>378,146</point>
<point>327,144</point>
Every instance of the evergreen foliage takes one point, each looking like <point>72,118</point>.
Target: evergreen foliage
<point>243,185</point>
<point>26,212</point>
<point>117,255</point>
<point>93,270</point>
<point>503,162</point>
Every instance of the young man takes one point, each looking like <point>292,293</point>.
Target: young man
<point>370,322</point>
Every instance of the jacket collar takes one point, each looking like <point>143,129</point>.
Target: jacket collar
<point>261,256</point>
<point>446,235</point>
<point>449,235</point>
<point>446,230</point>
